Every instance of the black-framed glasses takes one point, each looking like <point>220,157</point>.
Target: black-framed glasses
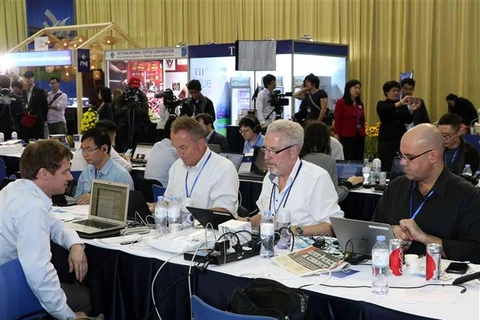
<point>411,158</point>
<point>242,131</point>
<point>275,152</point>
<point>450,136</point>
<point>88,150</point>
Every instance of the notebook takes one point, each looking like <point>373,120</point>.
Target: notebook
<point>259,167</point>
<point>108,210</point>
<point>348,168</point>
<point>205,216</point>
<point>236,158</point>
<point>141,154</point>
<point>358,236</point>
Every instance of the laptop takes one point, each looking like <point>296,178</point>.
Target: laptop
<point>259,167</point>
<point>358,236</point>
<point>141,154</point>
<point>397,169</point>
<point>236,158</point>
<point>108,210</point>
<point>137,203</point>
<point>348,168</point>
<point>206,216</point>
<point>214,147</point>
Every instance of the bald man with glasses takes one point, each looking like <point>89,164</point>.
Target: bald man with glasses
<point>430,204</point>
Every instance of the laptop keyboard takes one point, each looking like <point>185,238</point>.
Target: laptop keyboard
<point>96,224</point>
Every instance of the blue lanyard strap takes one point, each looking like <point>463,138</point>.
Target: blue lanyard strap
<point>452,161</point>
<point>414,215</point>
<point>285,195</point>
<point>188,194</point>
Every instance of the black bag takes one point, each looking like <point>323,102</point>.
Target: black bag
<point>264,297</point>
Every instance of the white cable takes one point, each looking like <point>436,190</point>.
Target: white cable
<point>190,268</point>
<point>155,278</point>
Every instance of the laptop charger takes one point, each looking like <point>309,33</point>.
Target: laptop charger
<point>134,230</point>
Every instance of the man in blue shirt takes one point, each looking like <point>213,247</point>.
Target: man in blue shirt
<point>96,145</point>
<point>250,129</point>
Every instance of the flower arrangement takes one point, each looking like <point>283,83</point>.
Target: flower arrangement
<point>89,119</point>
<point>371,140</point>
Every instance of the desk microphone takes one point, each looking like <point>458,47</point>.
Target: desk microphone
<point>466,278</point>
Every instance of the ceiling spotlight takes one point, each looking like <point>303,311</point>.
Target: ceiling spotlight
<point>307,37</point>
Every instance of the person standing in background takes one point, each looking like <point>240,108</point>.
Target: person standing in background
<point>37,105</point>
<point>11,109</point>
<point>197,103</point>
<point>315,100</point>
<point>350,121</point>
<point>420,115</point>
<point>265,111</point>
<point>57,102</point>
<point>394,114</point>
<point>105,109</point>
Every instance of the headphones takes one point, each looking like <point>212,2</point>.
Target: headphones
<point>257,128</point>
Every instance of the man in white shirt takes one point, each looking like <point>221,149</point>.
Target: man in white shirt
<point>306,190</point>
<point>27,226</point>
<point>78,161</point>
<point>265,113</point>
<point>208,179</point>
<point>57,102</point>
<point>161,158</point>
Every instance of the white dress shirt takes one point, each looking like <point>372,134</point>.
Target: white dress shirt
<point>79,163</point>
<point>312,198</point>
<point>216,185</point>
<point>264,109</point>
<point>26,228</point>
<point>160,160</point>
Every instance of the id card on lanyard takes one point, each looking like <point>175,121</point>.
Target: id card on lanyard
<point>285,195</point>
<point>188,193</point>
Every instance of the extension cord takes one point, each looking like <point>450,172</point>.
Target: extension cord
<point>135,230</point>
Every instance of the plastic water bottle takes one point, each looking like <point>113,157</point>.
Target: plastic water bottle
<point>14,135</point>
<point>380,267</point>
<point>2,137</point>
<point>467,171</point>
<point>174,222</point>
<point>283,223</point>
<point>478,177</point>
<point>377,168</point>
<point>161,216</point>
<point>267,234</point>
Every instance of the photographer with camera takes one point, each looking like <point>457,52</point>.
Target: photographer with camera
<point>131,113</point>
<point>265,111</point>
<point>315,100</point>
<point>197,103</point>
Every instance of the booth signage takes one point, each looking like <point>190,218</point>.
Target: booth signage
<point>39,58</point>
<point>145,54</point>
<point>83,60</point>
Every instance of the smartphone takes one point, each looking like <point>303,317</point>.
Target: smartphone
<point>414,100</point>
<point>457,267</point>
<point>129,151</point>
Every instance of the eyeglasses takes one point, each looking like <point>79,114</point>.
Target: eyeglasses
<point>242,131</point>
<point>449,136</point>
<point>52,83</point>
<point>88,150</point>
<point>275,152</point>
<point>411,158</point>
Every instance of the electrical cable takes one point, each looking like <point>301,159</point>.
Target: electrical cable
<point>464,289</point>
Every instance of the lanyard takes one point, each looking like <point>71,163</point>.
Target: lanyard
<point>188,194</point>
<point>255,144</point>
<point>421,204</point>
<point>285,195</point>
<point>452,161</point>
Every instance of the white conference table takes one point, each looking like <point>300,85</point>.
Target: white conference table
<point>433,302</point>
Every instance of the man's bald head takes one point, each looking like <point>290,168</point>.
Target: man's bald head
<point>425,135</point>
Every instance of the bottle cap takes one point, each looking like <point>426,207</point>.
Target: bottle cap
<point>160,198</point>
<point>380,238</point>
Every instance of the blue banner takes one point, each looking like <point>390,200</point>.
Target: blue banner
<point>40,58</point>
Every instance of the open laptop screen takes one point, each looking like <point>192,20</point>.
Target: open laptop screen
<point>259,166</point>
<point>397,169</point>
<point>109,200</point>
<point>347,168</point>
<point>236,158</point>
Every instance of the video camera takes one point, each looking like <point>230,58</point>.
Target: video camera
<point>170,101</point>
<point>277,100</point>
<point>131,95</point>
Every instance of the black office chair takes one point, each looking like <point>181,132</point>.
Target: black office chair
<point>145,186</point>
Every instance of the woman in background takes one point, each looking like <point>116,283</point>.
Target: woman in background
<point>316,149</point>
<point>350,121</point>
<point>105,110</point>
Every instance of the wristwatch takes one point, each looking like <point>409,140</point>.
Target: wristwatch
<point>299,231</point>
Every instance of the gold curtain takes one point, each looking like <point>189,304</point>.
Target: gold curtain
<point>438,39</point>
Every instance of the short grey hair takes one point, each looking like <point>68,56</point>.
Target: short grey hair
<point>293,131</point>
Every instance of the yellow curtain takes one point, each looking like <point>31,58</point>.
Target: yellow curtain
<point>438,39</point>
